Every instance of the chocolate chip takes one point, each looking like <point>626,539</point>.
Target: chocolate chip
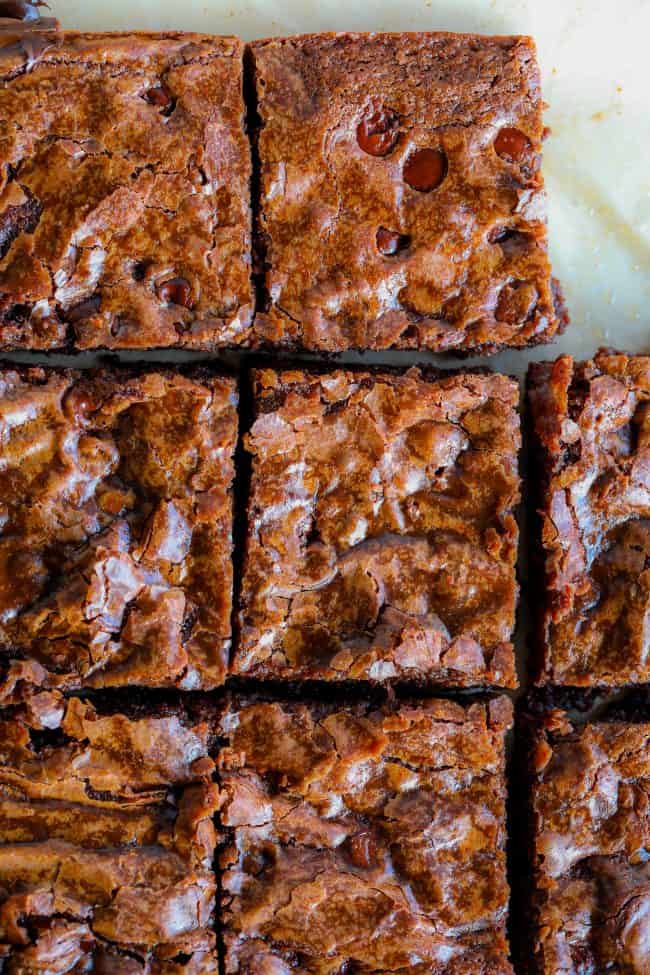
<point>511,144</point>
<point>513,243</point>
<point>362,850</point>
<point>377,134</point>
<point>160,98</point>
<point>84,309</point>
<point>391,242</point>
<point>176,291</point>
<point>139,270</point>
<point>425,169</point>
<point>517,302</point>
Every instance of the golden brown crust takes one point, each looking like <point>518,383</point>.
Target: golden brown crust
<point>592,428</point>
<point>101,868</point>
<point>401,198</point>
<point>381,539</point>
<point>116,539</point>
<point>364,839</point>
<point>124,192</point>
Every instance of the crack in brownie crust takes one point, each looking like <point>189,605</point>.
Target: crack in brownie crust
<point>365,840</point>
<point>401,198</point>
<point>592,839</point>
<point>106,845</point>
<point>382,542</point>
<point>116,539</point>
<point>592,428</point>
<point>124,193</point>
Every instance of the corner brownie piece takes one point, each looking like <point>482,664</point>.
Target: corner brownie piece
<point>401,196</point>
<point>592,432</point>
<point>592,834</point>
<point>381,536</point>
<point>106,844</point>
<point>124,191</point>
<point>116,537</point>
<point>364,839</point>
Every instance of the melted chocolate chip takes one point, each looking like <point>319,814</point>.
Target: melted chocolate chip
<point>377,134</point>
<point>160,98</point>
<point>84,309</point>
<point>512,242</point>
<point>511,144</point>
<point>139,270</point>
<point>517,302</point>
<point>391,242</point>
<point>425,169</point>
<point>175,291</point>
<point>362,850</point>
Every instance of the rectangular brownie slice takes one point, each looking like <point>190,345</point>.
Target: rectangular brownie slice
<point>401,195</point>
<point>124,191</point>
<point>116,535</point>
<point>364,839</point>
<point>381,536</point>
<point>592,834</point>
<point>592,436</point>
<point>106,843</point>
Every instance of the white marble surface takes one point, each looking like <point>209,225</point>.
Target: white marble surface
<point>596,70</point>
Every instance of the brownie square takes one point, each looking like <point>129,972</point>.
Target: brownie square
<point>592,833</point>
<point>381,537</point>
<point>401,196</point>
<point>106,843</point>
<point>124,192</point>
<point>364,839</point>
<point>592,436</point>
<point>116,538</point>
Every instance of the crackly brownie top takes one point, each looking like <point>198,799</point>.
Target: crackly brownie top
<point>592,842</point>
<point>401,193</point>
<point>362,839</point>
<point>106,843</point>
<point>116,528</point>
<point>124,204</point>
<point>382,542</point>
<point>593,429</point>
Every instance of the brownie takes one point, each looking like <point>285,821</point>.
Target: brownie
<point>124,191</point>
<point>592,833</point>
<point>401,201</point>
<point>381,537</point>
<point>363,839</point>
<point>106,845</point>
<point>592,440</point>
<point>116,537</point>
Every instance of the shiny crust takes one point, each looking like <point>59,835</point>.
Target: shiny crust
<point>105,196</point>
<point>592,431</point>
<point>592,835</point>
<point>366,840</point>
<point>474,272</point>
<point>382,542</point>
<point>103,867</point>
<point>116,540</point>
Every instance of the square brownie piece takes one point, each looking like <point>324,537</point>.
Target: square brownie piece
<point>364,839</point>
<point>401,196</point>
<point>592,436</point>
<point>124,191</point>
<point>381,536</point>
<point>116,537</point>
<point>592,835</point>
<point>106,843</point>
